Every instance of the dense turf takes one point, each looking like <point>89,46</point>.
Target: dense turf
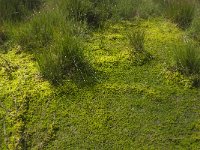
<point>128,105</point>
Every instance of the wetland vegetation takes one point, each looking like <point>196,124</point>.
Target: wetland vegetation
<point>99,74</point>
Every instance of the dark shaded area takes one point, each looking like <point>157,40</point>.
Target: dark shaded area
<point>15,10</point>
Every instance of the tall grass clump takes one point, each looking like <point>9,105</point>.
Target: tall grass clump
<point>136,39</point>
<point>64,57</point>
<point>39,31</point>
<point>5,39</point>
<point>138,53</point>
<point>14,10</point>
<point>194,30</point>
<point>187,60</point>
<point>57,48</point>
<point>180,11</point>
<point>94,12</point>
<point>128,9</point>
<point>3,35</point>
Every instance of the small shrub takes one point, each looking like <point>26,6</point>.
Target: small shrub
<point>180,11</point>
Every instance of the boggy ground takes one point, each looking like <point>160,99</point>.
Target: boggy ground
<point>131,104</point>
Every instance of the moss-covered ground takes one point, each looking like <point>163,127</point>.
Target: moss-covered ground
<point>130,105</point>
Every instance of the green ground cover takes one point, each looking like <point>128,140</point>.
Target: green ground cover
<point>131,104</point>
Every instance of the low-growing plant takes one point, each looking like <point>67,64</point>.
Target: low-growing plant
<point>180,11</point>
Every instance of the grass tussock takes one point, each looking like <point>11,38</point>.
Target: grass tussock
<point>136,39</point>
<point>187,60</point>
<point>194,31</point>
<point>14,10</point>
<point>57,47</point>
<point>180,11</point>
<point>3,36</point>
<point>94,13</point>
<point>138,53</point>
<point>61,59</point>
<point>39,32</point>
